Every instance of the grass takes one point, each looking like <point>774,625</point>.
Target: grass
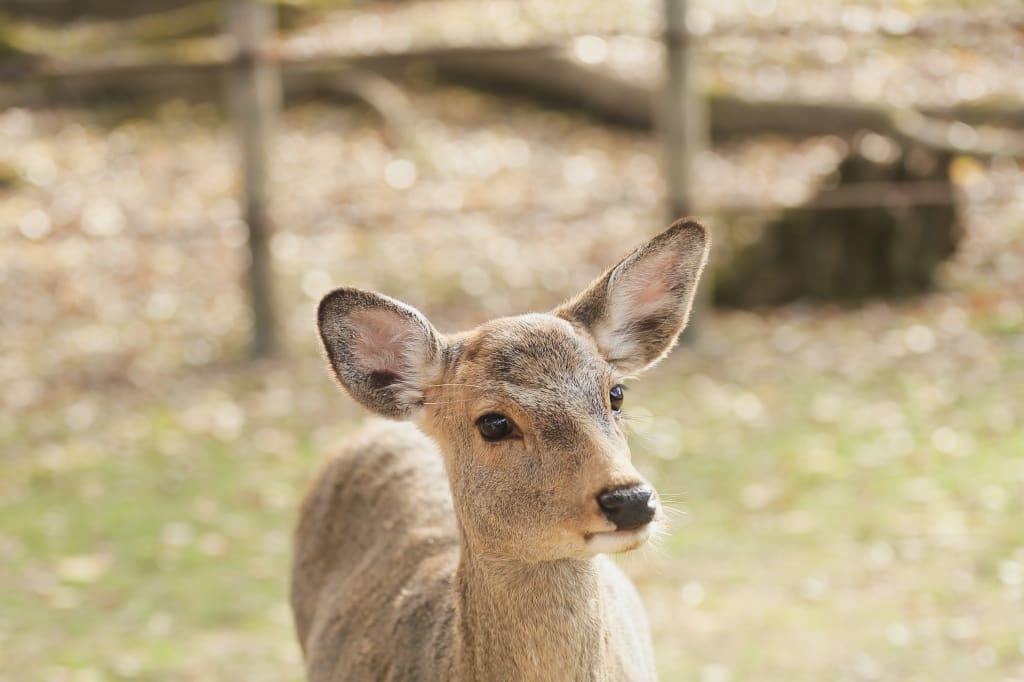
<point>832,530</point>
<point>856,542</point>
<point>849,482</point>
<point>133,561</point>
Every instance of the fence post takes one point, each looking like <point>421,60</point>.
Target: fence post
<point>683,131</point>
<point>255,94</point>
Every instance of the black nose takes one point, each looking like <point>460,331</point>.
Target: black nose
<point>628,508</point>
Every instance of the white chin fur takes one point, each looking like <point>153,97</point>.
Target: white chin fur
<point>613,542</point>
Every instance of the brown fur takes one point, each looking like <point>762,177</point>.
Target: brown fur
<point>448,557</point>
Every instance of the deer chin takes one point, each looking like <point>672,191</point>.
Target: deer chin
<point>618,541</point>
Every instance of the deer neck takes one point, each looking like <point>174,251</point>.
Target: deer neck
<point>529,621</point>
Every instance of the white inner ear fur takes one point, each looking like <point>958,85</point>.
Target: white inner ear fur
<point>388,342</point>
<point>637,290</point>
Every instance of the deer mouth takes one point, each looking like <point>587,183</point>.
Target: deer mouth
<point>617,541</point>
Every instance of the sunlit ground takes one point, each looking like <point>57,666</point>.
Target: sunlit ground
<point>849,482</point>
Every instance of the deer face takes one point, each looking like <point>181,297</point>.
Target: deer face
<point>530,419</point>
<point>527,410</point>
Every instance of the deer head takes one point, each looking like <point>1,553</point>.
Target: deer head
<point>527,410</point>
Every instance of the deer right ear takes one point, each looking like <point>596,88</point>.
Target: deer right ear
<point>383,352</point>
<point>636,310</point>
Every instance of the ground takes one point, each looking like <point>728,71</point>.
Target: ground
<point>848,482</point>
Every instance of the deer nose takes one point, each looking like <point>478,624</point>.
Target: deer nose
<point>628,508</point>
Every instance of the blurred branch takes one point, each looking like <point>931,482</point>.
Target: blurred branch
<point>956,136</point>
<point>545,72</point>
<point>172,23</point>
<point>76,39</point>
<point>382,96</point>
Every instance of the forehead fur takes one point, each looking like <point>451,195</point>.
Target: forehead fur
<point>546,366</point>
<point>534,350</point>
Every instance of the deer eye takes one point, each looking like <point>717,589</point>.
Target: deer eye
<point>494,426</point>
<point>615,396</point>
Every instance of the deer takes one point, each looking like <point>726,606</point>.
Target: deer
<point>466,536</point>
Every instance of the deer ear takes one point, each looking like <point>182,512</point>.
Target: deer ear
<point>383,352</point>
<point>637,309</point>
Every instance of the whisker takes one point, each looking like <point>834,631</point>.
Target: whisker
<point>674,515</point>
<point>670,502</point>
<point>655,545</point>
<point>670,494</point>
<point>633,433</point>
<point>657,541</point>
<point>632,419</point>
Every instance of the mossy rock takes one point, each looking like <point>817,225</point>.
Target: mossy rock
<point>879,229</point>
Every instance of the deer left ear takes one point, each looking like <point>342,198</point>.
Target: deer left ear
<point>637,309</point>
<point>383,352</point>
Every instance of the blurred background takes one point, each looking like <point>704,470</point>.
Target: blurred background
<point>842,435</point>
